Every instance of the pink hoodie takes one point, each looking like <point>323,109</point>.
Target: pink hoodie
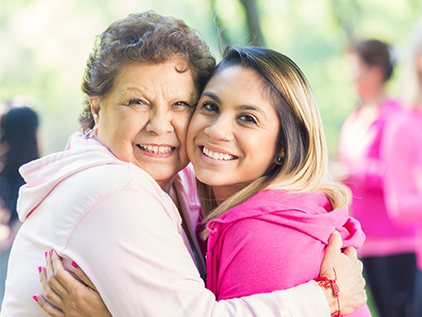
<point>403,178</point>
<point>274,239</point>
<point>125,232</point>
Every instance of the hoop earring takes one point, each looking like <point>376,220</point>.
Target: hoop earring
<point>280,159</point>
<point>95,128</point>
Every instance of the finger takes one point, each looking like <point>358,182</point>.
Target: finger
<point>52,275</point>
<point>65,278</point>
<point>334,244</point>
<point>47,307</point>
<point>81,274</point>
<point>52,296</point>
<point>351,252</point>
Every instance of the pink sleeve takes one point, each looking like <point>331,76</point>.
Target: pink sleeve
<point>256,256</point>
<point>403,200</point>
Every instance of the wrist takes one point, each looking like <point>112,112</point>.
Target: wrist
<point>331,300</point>
<point>331,292</point>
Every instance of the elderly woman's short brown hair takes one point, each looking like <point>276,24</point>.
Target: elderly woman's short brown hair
<point>147,38</point>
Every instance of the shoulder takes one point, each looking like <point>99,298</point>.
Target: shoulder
<point>111,182</point>
<point>279,207</point>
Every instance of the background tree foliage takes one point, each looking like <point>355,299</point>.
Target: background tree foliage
<point>45,44</point>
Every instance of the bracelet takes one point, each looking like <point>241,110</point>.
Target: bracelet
<point>327,283</point>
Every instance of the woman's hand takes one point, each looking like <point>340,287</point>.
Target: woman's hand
<point>349,276</point>
<point>64,294</point>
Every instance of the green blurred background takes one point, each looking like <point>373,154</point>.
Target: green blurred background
<point>45,43</point>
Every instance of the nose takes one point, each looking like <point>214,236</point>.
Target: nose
<point>160,121</point>
<point>220,129</point>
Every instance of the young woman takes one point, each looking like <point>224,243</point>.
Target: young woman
<point>257,146</point>
<point>256,140</point>
<point>388,254</point>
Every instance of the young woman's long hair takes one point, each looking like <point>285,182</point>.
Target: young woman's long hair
<point>301,136</point>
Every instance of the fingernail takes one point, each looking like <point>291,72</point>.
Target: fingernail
<point>46,253</point>
<point>35,298</point>
<point>51,252</point>
<point>74,265</point>
<point>40,269</point>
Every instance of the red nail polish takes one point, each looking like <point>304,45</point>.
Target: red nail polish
<point>51,252</point>
<point>39,269</point>
<point>74,265</point>
<point>46,253</point>
<point>35,298</point>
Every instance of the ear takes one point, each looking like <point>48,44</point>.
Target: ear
<point>280,157</point>
<point>95,103</point>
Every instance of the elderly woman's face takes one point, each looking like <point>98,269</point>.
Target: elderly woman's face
<point>145,117</point>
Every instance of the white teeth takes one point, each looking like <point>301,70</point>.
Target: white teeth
<point>156,149</point>
<point>217,156</point>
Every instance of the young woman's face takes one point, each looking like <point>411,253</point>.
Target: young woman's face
<point>232,135</point>
<point>144,119</point>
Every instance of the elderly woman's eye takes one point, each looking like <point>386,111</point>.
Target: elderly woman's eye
<point>136,102</point>
<point>180,106</point>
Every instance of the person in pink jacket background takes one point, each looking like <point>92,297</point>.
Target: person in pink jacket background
<point>402,149</point>
<point>388,253</point>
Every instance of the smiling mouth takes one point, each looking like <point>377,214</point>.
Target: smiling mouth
<point>156,149</point>
<point>216,155</point>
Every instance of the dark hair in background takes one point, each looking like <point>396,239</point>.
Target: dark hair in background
<point>142,38</point>
<point>18,145</point>
<point>375,53</point>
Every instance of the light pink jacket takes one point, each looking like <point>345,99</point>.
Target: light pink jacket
<point>363,155</point>
<point>274,239</point>
<point>125,232</point>
<point>403,178</point>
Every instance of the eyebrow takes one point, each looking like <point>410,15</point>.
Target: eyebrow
<point>253,108</point>
<point>211,95</point>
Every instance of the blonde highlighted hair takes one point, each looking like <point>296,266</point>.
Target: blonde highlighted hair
<point>301,136</point>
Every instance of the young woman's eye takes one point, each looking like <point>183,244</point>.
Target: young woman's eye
<point>247,118</point>
<point>210,107</point>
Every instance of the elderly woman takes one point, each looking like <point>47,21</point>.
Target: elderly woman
<point>110,202</point>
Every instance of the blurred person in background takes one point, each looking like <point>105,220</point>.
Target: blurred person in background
<point>388,253</point>
<point>403,150</point>
<point>18,145</point>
